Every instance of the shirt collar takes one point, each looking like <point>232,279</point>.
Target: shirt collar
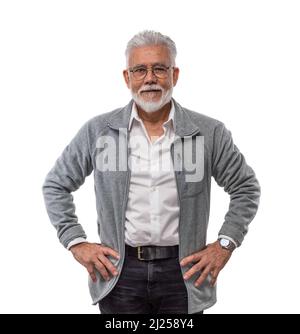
<point>135,115</point>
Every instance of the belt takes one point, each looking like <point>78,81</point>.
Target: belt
<point>148,253</point>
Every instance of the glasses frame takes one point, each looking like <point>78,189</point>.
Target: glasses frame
<point>149,68</point>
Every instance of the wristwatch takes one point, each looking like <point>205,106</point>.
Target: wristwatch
<point>227,244</point>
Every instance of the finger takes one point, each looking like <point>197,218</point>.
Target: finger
<point>112,252</point>
<point>203,276</point>
<point>92,274</point>
<point>192,271</point>
<point>214,276</point>
<point>213,282</point>
<point>102,270</point>
<point>191,258</point>
<point>109,266</point>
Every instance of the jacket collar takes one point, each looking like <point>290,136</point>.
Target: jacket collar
<point>183,125</point>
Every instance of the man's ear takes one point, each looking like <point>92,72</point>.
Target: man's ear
<point>126,78</point>
<point>175,75</point>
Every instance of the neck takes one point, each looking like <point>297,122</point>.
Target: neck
<point>159,116</point>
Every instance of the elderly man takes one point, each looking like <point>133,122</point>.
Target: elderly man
<point>152,162</point>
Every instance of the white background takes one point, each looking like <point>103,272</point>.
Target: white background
<point>61,64</point>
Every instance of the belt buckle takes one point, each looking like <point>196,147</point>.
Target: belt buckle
<point>140,251</point>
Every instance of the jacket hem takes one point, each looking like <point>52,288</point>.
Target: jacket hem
<point>204,306</point>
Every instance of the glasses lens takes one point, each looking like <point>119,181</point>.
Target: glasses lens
<point>160,72</point>
<point>139,73</point>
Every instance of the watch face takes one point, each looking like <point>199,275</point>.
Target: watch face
<point>224,242</point>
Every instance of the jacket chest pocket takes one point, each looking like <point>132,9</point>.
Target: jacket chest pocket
<point>193,182</point>
<point>189,158</point>
<point>191,189</point>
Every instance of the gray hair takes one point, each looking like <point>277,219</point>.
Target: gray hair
<point>150,37</point>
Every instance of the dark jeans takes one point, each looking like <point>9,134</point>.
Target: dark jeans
<point>147,287</point>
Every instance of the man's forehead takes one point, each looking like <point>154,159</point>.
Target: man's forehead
<point>152,54</point>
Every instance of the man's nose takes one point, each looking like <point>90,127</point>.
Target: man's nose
<point>150,77</point>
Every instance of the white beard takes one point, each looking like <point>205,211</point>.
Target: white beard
<point>150,106</point>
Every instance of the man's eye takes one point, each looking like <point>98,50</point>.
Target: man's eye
<point>140,70</point>
<point>159,69</point>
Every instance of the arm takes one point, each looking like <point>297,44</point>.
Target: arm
<point>67,175</point>
<point>231,172</point>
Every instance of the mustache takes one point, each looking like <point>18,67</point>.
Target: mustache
<point>149,88</point>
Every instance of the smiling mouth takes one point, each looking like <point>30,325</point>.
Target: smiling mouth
<point>151,91</point>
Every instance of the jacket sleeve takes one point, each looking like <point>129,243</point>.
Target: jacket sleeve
<point>67,175</point>
<point>230,170</point>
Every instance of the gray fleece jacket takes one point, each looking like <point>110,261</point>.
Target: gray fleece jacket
<point>220,159</point>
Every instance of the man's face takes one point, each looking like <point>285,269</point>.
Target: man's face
<point>151,92</point>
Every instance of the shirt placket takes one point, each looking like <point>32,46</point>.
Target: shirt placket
<point>154,194</point>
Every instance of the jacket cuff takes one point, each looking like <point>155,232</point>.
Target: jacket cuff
<point>232,231</point>
<point>74,232</point>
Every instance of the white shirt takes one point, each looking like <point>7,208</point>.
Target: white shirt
<point>152,213</point>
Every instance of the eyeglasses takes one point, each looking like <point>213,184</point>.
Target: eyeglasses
<point>140,72</point>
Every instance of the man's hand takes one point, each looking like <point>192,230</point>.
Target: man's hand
<point>94,256</point>
<point>210,260</point>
